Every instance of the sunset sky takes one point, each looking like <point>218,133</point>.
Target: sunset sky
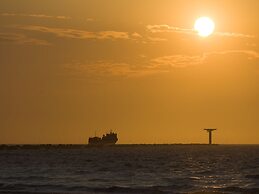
<point>71,68</point>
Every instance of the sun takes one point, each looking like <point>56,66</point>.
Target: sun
<point>204,26</point>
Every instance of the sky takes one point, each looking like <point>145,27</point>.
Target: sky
<point>73,68</point>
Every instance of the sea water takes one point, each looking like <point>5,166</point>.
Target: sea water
<point>131,169</point>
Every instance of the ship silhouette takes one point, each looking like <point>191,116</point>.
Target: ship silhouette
<point>107,139</point>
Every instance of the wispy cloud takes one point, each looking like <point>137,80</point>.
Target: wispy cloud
<point>166,28</point>
<point>136,35</point>
<point>35,16</point>
<point>180,61</point>
<point>164,64</point>
<point>21,39</point>
<point>235,35</point>
<point>155,39</point>
<point>61,32</point>
<point>111,35</point>
<point>99,35</point>
<point>250,54</point>
<point>110,69</point>
<point>176,61</point>
<point>80,34</point>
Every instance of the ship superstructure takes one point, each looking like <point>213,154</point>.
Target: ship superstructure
<point>107,139</point>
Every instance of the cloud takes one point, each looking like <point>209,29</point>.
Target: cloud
<point>61,32</point>
<point>109,69</point>
<point>180,61</point>
<point>79,34</point>
<point>164,64</point>
<point>155,39</point>
<point>166,28</point>
<point>21,39</point>
<point>35,16</point>
<point>100,68</point>
<point>250,54</point>
<point>114,69</point>
<point>168,62</point>
<point>136,35</point>
<point>235,35</point>
<point>112,35</point>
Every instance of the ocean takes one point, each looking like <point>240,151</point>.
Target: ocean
<point>130,169</point>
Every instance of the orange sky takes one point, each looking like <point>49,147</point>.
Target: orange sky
<point>70,68</point>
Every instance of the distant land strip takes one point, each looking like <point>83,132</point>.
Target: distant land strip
<point>79,146</point>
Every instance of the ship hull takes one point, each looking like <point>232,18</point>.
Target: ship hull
<point>102,144</point>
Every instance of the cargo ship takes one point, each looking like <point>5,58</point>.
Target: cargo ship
<point>107,139</point>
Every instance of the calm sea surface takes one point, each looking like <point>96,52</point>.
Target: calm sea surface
<point>131,169</point>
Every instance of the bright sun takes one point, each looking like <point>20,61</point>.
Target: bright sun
<point>204,26</point>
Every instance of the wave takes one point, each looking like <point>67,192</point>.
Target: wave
<point>63,189</point>
<point>253,176</point>
<point>59,188</point>
<point>80,189</point>
<point>242,190</point>
<point>131,170</point>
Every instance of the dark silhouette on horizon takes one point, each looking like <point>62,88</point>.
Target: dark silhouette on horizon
<point>210,134</point>
<point>107,139</point>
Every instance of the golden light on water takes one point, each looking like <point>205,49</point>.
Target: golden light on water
<point>204,26</point>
